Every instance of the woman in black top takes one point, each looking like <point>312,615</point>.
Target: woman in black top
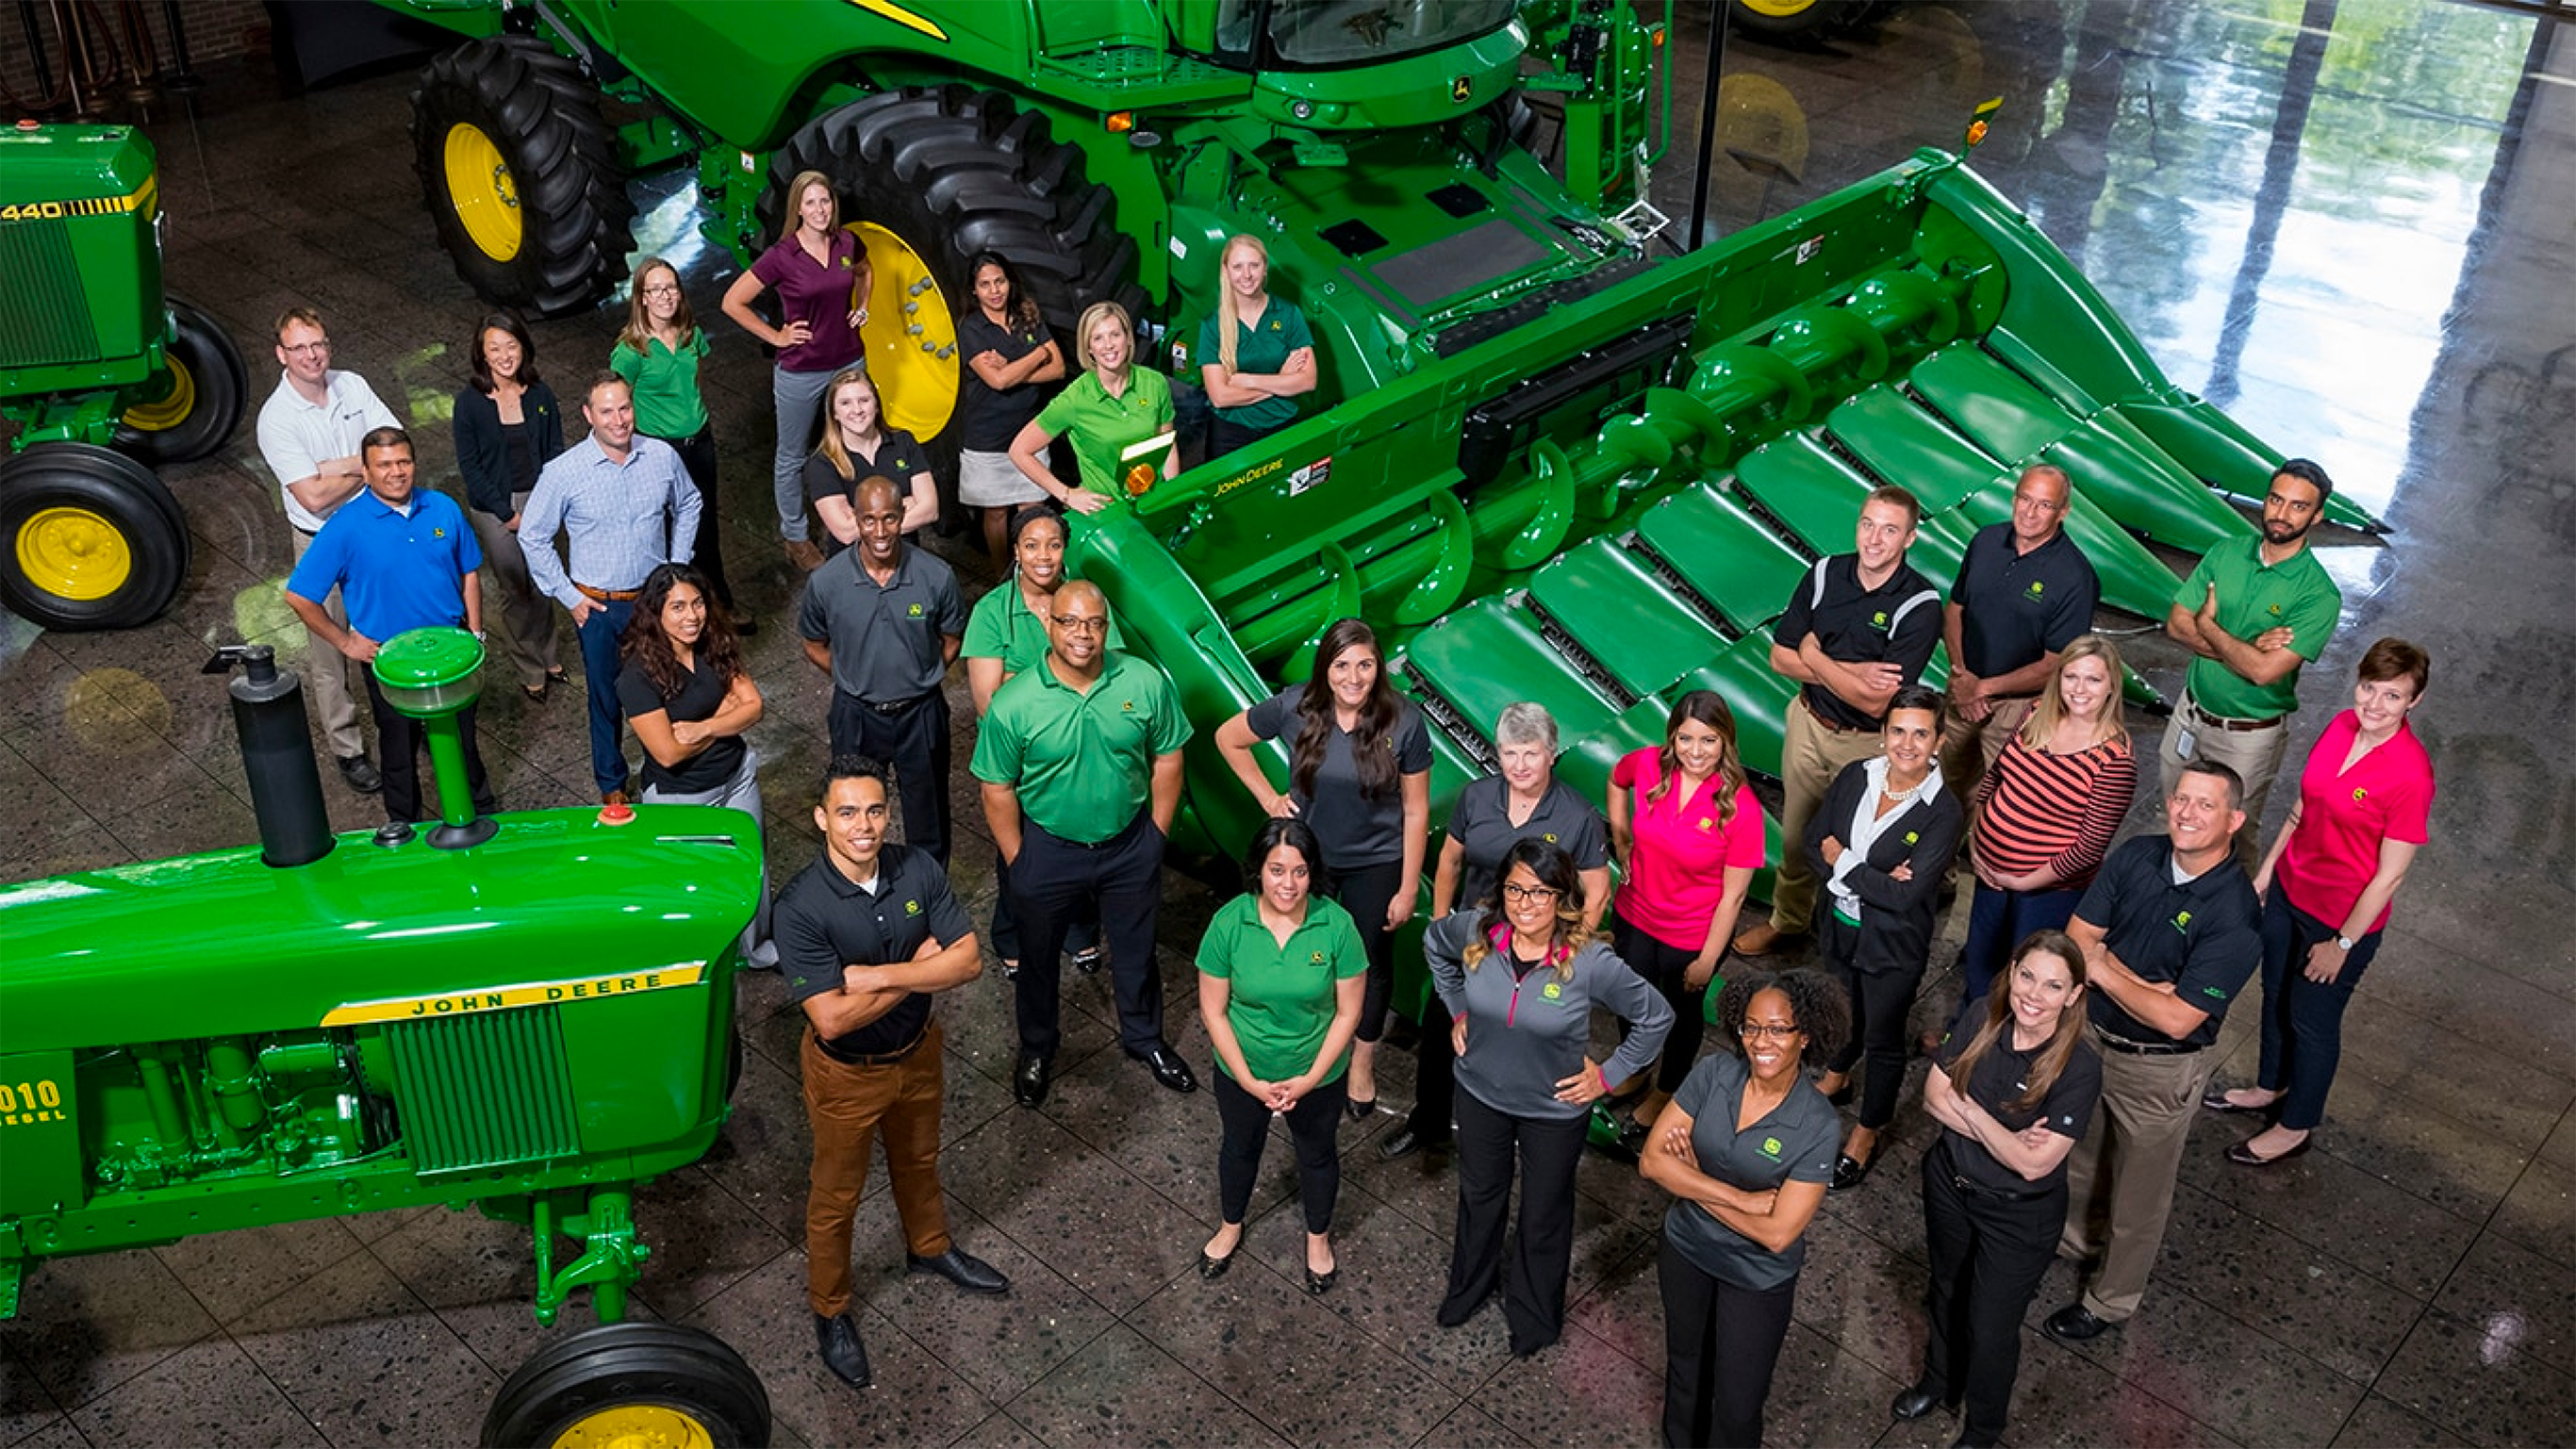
<point>1009,358</point>
<point>507,428</point>
<point>1882,838</point>
<point>1745,1146</point>
<point>689,697</point>
<point>857,444</point>
<point>1359,772</point>
<point>2013,1086</point>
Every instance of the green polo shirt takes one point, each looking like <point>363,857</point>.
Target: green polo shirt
<point>1280,998</point>
<point>1003,628</point>
<point>1102,426</point>
<point>2253,597</point>
<point>1083,762</point>
<point>667,402</point>
<point>1262,347</point>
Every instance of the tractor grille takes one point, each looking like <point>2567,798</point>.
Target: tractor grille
<point>44,314</point>
<point>485,1090</point>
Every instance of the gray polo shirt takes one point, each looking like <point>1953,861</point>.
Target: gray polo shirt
<point>1528,1031</point>
<point>1793,1142</point>
<point>885,639</point>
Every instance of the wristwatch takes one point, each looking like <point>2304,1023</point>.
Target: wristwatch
<point>2343,943</point>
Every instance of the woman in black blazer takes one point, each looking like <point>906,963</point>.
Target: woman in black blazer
<point>1883,838</point>
<point>507,427</point>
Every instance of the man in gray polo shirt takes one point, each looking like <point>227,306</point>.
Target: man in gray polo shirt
<point>884,621</point>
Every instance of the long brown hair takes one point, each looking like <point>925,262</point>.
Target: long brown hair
<point>644,642</point>
<point>1554,866</point>
<point>794,210</point>
<point>834,451</point>
<point>2049,710</point>
<point>638,332</point>
<point>1709,708</point>
<point>1999,1019</point>
<point>1372,744</point>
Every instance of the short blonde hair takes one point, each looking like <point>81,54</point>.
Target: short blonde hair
<point>1091,317</point>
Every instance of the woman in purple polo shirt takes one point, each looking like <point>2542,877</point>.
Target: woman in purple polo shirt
<point>821,273</point>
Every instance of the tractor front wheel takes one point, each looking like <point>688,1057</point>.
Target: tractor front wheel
<point>1794,19</point>
<point>632,1383</point>
<point>94,539</point>
<point>205,386</point>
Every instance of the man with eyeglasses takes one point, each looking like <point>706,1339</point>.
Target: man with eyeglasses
<point>2024,592</point>
<point>883,621</point>
<point>309,435</point>
<point>1080,759</point>
<point>2253,611</point>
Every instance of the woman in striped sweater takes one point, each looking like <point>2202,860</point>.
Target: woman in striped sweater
<point>2044,815</point>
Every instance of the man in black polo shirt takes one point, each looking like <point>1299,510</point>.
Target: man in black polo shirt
<point>1859,627</point>
<point>865,935</point>
<point>2170,936</point>
<point>2024,592</point>
<point>884,621</point>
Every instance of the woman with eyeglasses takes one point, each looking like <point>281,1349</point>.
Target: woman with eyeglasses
<point>1745,1148</point>
<point>659,354</point>
<point>1520,976</point>
<point>2012,1086</point>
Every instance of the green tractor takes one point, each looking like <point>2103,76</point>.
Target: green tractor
<point>102,377</point>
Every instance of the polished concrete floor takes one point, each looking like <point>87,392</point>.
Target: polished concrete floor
<point>2350,222</point>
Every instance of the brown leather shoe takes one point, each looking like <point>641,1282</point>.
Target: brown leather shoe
<point>803,554</point>
<point>1762,939</point>
<point>613,797</point>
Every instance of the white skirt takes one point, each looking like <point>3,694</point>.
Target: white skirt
<point>992,480</point>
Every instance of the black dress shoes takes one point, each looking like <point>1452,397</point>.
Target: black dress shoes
<point>1404,1142</point>
<point>2244,1155</point>
<point>1918,1401</point>
<point>1169,1069</point>
<point>964,1269</point>
<point>1849,1172</point>
<point>2074,1323</point>
<point>838,1339</point>
<point>1029,1079</point>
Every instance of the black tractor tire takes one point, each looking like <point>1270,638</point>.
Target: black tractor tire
<point>557,173</point>
<point>954,171</point>
<point>93,540</point>
<point>208,386</point>
<point>628,1380</point>
<point>1813,19</point>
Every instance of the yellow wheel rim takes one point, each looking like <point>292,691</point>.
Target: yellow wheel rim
<point>74,554</point>
<point>173,408</point>
<point>635,1426</point>
<point>485,195</point>
<point>910,334</point>
<point>1782,8</point>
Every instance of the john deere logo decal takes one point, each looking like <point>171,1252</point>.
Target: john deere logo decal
<point>438,533</point>
<point>912,908</point>
<point>1914,837</point>
<point>2182,921</point>
<point>2360,793</point>
<point>1549,837</point>
<point>1878,620</point>
<point>1316,959</point>
<point>1771,1148</point>
<point>913,612</point>
<point>2035,587</point>
<point>1553,991</point>
<point>1462,90</point>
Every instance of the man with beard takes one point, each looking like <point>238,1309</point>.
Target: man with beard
<point>2254,611</point>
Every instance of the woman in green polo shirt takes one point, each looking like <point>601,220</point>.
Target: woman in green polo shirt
<point>1119,415</point>
<point>1256,356</point>
<point>1281,973</point>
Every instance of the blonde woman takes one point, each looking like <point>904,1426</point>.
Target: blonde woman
<point>822,278</point>
<point>1256,355</point>
<point>659,354</point>
<point>857,444</point>
<point>1119,415</point>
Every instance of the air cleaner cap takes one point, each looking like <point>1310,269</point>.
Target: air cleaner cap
<point>426,673</point>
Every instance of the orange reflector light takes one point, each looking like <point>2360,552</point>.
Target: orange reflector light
<point>1120,122</point>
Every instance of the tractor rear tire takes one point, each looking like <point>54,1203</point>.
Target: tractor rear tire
<point>952,171</point>
<point>209,385</point>
<point>519,171</point>
<point>1778,20</point>
<point>93,539</point>
<point>631,1382</point>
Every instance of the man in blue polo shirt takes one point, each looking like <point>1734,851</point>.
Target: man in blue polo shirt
<point>403,559</point>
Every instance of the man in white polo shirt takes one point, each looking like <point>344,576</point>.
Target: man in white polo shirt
<point>308,434</point>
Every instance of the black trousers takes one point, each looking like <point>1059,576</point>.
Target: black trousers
<point>1988,1254</point>
<point>1310,1126</point>
<point>706,552</point>
<point>1435,1077</point>
<point>1123,877</point>
<point>913,742</point>
<point>1721,1343</point>
<point>1880,1001</point>
<point>1664,966</point>
<point>1366,891</point>
<point>1533,1274</point>
<point>400,739</point>
<point>1082,936</point>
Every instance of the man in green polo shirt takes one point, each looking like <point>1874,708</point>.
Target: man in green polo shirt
<point>1080,759</point>
<point>2253,611</point>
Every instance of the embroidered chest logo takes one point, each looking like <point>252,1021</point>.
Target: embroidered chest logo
<point>1549,837</point>
<point>2036,586</point>
<point>1771,1148</point>
<point>2182,922</point>
<point>2276,611</point>
<point>1706,824</point>
<point>1127,706</point>
<point>1316,959</point>
<point>1914,837</point>
<point>1554,991</point>
<point>1878,621</point>
<point>912,908</point>
<point>442,533</point>
<point>2360,793</point>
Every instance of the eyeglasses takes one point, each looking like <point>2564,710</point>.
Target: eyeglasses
<point>1516,892</point>
<point>662,291</point>
<point>1079,624</point>
<point>1777,1031</point>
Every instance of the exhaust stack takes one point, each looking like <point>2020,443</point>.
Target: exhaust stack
<point>277,755</point>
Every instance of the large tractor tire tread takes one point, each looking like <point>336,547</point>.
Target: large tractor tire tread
<point>542,115</point>
<point>89,539</point>
<point>208,390</point>
<point>631,1382</point>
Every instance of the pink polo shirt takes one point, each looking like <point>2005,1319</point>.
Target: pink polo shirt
<point>2345,814</point>
<point>1677,863</point>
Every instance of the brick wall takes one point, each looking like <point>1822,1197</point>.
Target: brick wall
<point>217,30</point>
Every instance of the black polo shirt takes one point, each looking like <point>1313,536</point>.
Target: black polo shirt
<point>1896,623</point>
<point>824,922</point>
<point>2016,607</point>
<point>2202,935</point>
<point>885,640</point>
<point>1482,825</point>
<point>2001,1076</point>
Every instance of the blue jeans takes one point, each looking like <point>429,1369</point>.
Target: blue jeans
<point>2303,1019</point>
<point>598,636</point>
<point>1999,920</point>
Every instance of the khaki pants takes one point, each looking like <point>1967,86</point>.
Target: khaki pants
<point>1969,748</point>
<point>525,627</point>
<point>2255,756</point>
<point>1811,756</point>
<point>849,1108</point>
<point>2121,1175</point>
<point>326,674</point>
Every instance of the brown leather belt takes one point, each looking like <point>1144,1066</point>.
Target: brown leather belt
<point>872,1059</point>
<point>610,596</point>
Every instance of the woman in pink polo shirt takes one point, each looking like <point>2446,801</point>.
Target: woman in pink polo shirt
<point>2365,800</point>
<point>1687,834</point>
